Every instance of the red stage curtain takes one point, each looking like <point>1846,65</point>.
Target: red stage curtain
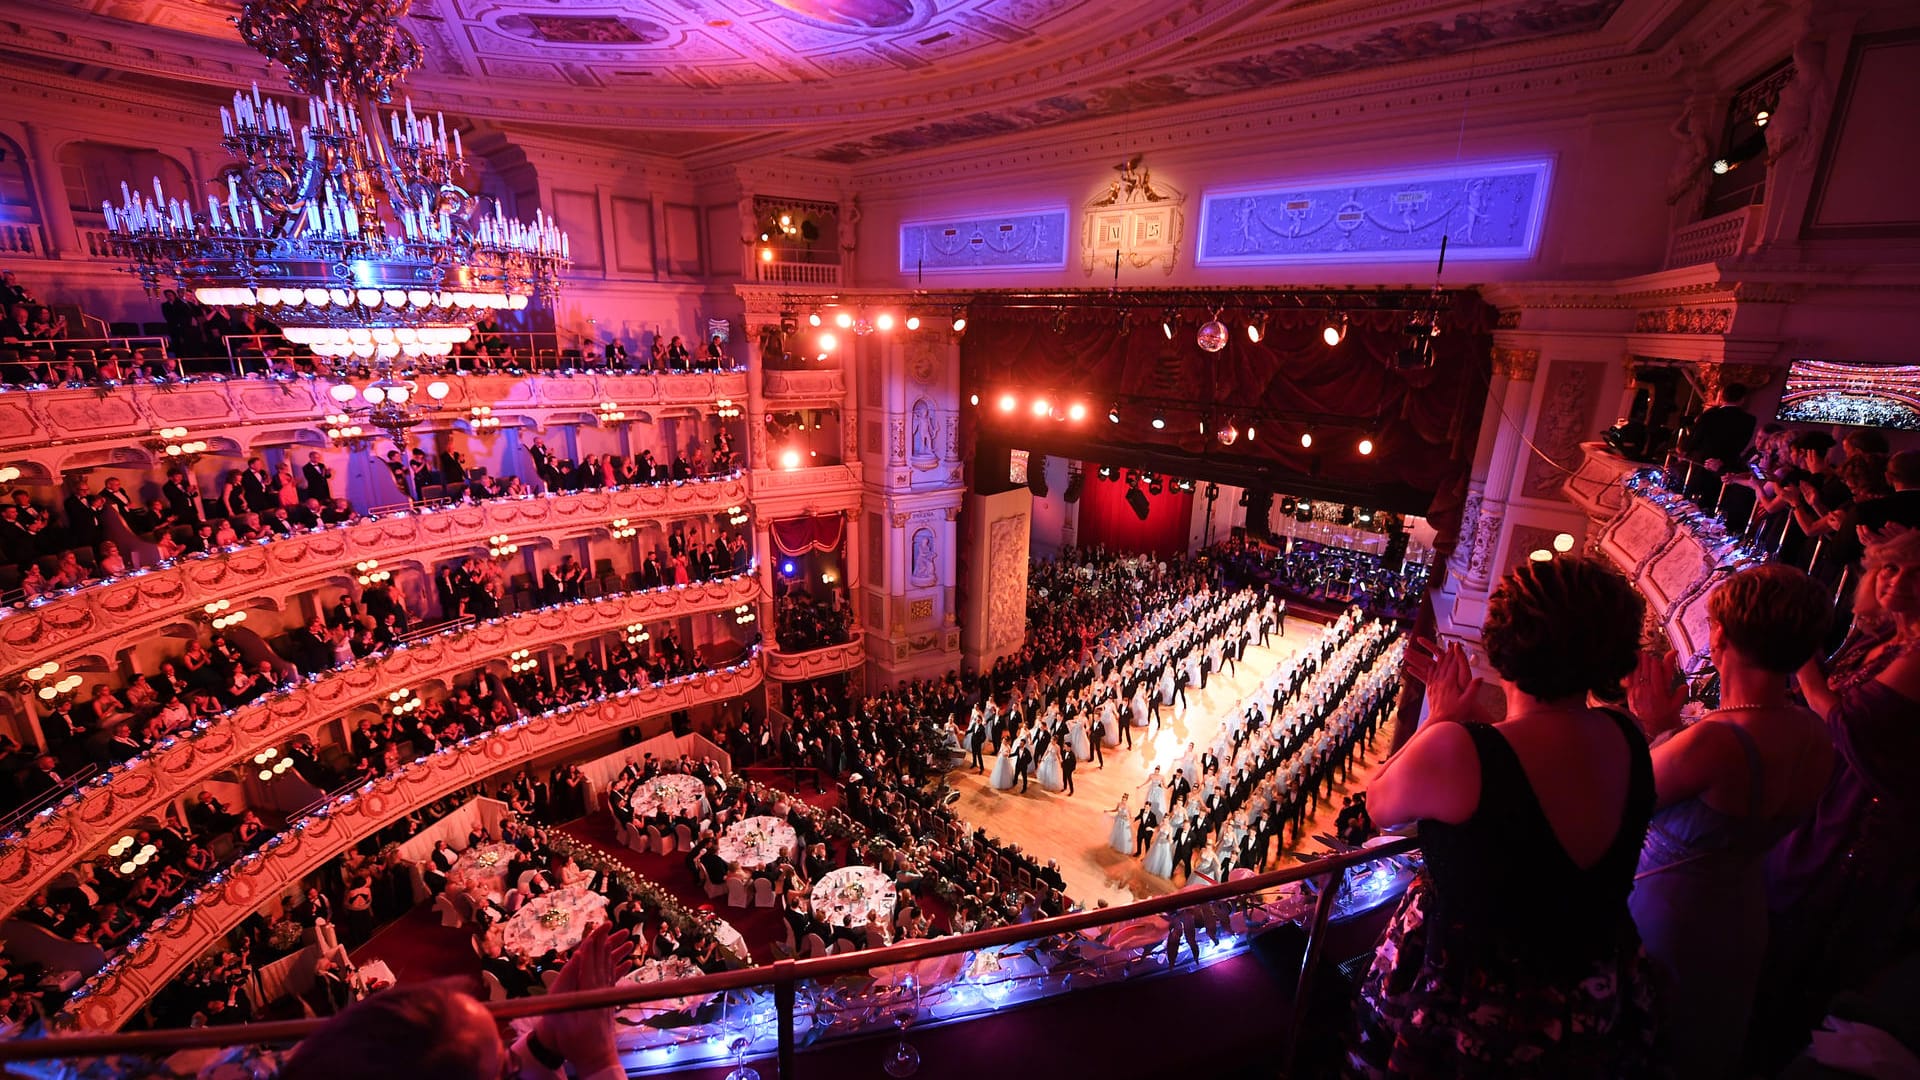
<point>798,536</point>
<point>1107,521</point>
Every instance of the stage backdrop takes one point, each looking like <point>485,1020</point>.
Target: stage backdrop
<point>1107,521</point>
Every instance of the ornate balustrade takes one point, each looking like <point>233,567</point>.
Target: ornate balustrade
<point>818,385</point>
<point>172,942</point>
<point>95,617</point>
<point>55,838</point>
<point>1714,239</point>
<point>55,426</point>
<point>785,666</point>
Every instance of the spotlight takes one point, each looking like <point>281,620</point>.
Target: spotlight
<point>1306,440</point>
<point>1159,422</point>
<point>1564,542</point>
<point>1722,166</point>
<point>1257,327</point>
<point>1760,118</point>
<point>1167,322</point>
<point>1106,472</point>
<point>1228,435</point>
<point>1060,320</point>
<point>1007,402</point>
<point>884,320</point>
<point>959,320</point>
<point>1040,407</point>
<point>1366,445</point>
<point>787,568</point>
<point>1077,412</point>
<point>813,318</point>
<point>1158,486</point>
<point>1249,432</point>
<point>913,322</point>
<point>1113,414</point>
<point>788,323</point>
<point>843,320</point>
<point>790,459</point>
<point>828,343</point>
<point>1541,555</point>
<point>974,399</point>
<point>1335,332</point>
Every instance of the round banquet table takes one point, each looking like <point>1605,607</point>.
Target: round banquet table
<point>531,934</point>
<point>653,971</point>
<point>678,794</point>
<point>757,841</point>
<point>481,871</point>
<point>855,891</point>
<point>730,939</point>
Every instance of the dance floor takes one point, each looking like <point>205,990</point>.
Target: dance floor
<point>1074,830</point>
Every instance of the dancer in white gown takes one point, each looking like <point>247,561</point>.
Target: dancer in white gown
<point>1077,738</point>
<point>1109,724</point>
<point>1156,793</point>
<point>1049,774</point>
<point>1139,706</point>
<point>1160,855</point>
<point>1002,777</point>
<point>1120,837</point>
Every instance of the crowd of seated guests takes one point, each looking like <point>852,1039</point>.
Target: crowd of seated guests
<point>612,470</point>
<point>1329,575</point>
<point>803,621</point>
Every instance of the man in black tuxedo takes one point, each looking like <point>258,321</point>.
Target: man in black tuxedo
<point>1023,757</point>
<point>1143,829</point>
<point>1066,766</point>
<point>976,740</point>
<point>318,478</point>
<point>1097,737</point>
<point>1179,788</point>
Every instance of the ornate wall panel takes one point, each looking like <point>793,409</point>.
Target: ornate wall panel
<point>172,942</point>
<point>1020,240</point>
<point>1007,603</point>
<point>107,616</point>
<point>1565,419</point>
<point>56,838</point>
<point>1486,210</point>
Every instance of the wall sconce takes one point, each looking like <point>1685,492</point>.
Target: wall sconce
<point>521,661</point>
<point>402,701</point>
<point>637,633</point>
<point>139,859</point>
<point>480,418</point>
<point>622,530</point>
<point>48,691</point>
<point>9,474</point>
<point>744,614</point>
<point>344,432</point>
<point>736,515</point>
<point>725,409</point>
<point>500,546</point>
<point>370,572</point>
<point>610,413</point>
<point>270,768</point>
<point>173,443</point>
<point>217,612</point>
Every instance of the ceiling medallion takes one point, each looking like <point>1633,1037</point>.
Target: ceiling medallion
<point>342,222</point>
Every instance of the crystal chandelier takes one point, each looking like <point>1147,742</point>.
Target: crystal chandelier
<point>356,238</point>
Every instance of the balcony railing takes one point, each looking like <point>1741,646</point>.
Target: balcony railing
<point>21,240</point>
<point>822,385</point>
<point>94,616</point>
<point>779,271</point>
<point>177,939</point>
<point>1714,239</point>
<point>56,837</point>
<point>789,666</point>
<point>777,1008</point>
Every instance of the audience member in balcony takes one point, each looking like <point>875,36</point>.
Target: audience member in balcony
<point>182,493</point>
<point>1844,882</point>
<point>12,292</point>
<point>1729,786</point>
<point>258,486</point>
<point>1515,948</point>
<point>108,561</point>
<point>677,355</point>
<point>14,326</point>
<point>616,354</point>
<point>46,326</point>
<point>716,353</point>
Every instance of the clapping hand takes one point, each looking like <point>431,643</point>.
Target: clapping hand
<point>585,1037</point>
<point>1452,687</point>
<point>1655,692</point>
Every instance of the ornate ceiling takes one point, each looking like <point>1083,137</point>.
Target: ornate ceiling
<point>835,80</point>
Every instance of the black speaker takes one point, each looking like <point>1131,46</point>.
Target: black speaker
<point>1076,480</point>
<point>1396,549</point>
<point>1037,475</point>
<point>1138,500</point>
<point>1259,508</point>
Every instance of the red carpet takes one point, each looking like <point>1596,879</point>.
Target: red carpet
<point>418,948</point>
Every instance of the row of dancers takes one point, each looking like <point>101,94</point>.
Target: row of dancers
<point>1292,738</point>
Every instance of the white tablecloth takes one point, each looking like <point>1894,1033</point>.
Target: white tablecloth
<point>677,794</point>
<point>481,871</point>
<point>729,938</point>
<point>757,841</point>
<point>529,934</point>
<point>376,976</point>
<point>652,971</point>
<point>853,890</point>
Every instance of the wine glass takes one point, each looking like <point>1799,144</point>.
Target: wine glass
<point>905,1060</point>
<point>741,1071</point>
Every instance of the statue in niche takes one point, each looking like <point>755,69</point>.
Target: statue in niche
<point>925,436</point>
<point>850,225</point>
<point>925,569</point>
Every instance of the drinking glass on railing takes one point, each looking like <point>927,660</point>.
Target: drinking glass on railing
<point>905,1060</point>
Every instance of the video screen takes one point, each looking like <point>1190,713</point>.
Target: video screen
<point>1863,395</point>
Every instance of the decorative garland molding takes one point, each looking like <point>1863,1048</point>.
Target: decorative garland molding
<point>798,667</point>
<point>141,604</point>
<point>55,838</point>
<point>172,942</point>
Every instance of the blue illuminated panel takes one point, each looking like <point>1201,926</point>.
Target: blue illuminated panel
<point>1487,210</point>
<point>1026,240</point>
